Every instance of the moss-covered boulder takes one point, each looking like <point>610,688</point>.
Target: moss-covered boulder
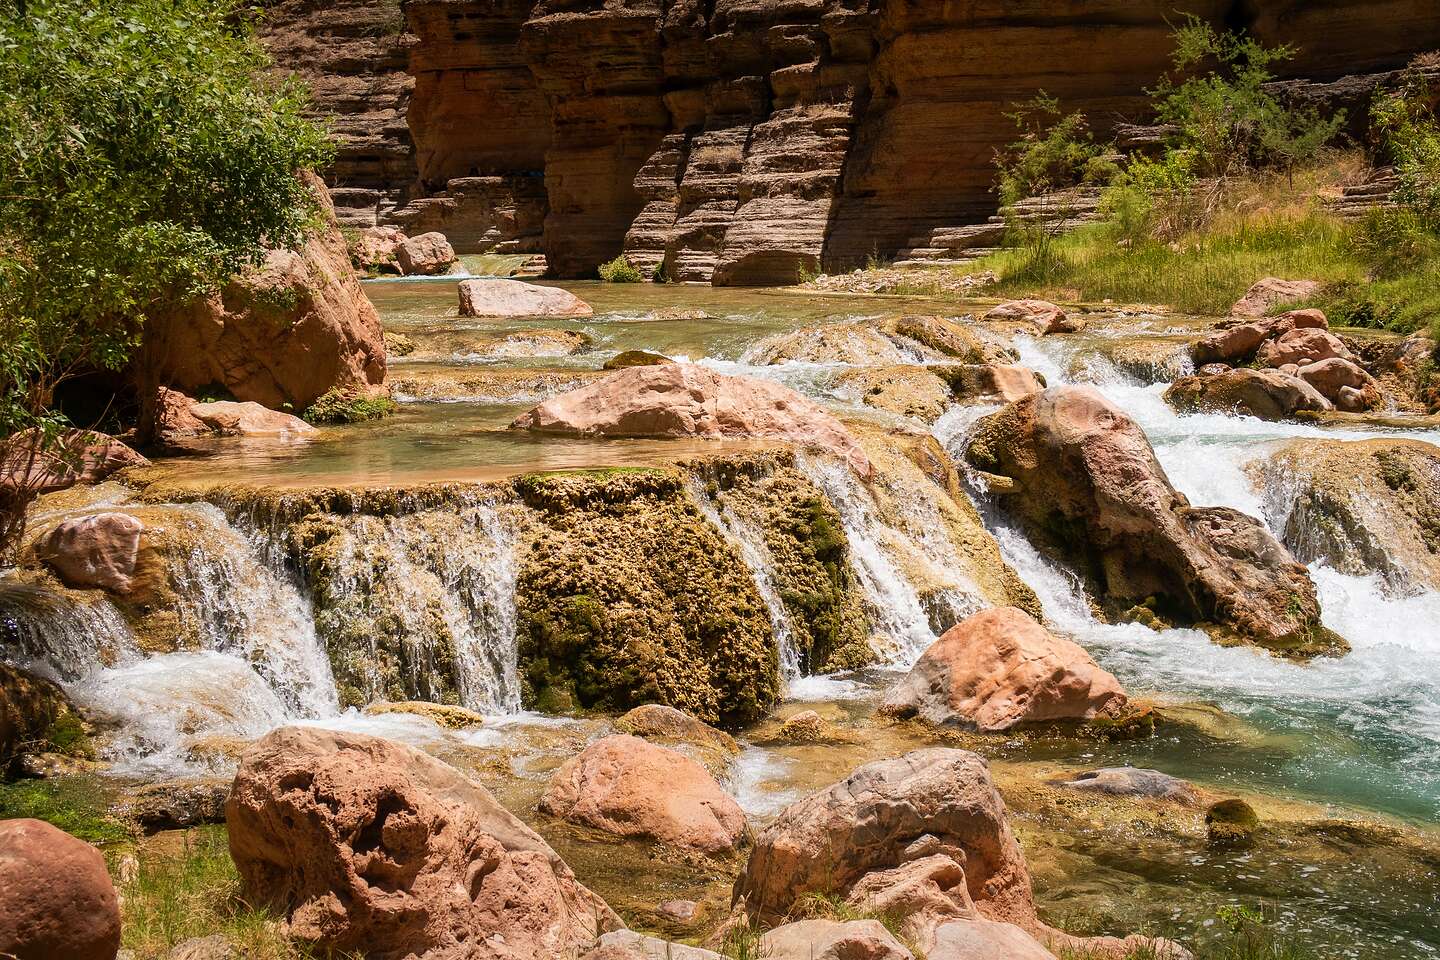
<point>36,717</point>
<point>626,595</point>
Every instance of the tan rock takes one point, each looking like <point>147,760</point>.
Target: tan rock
<point>1272,292</point>
<point>999,669</point>
<point>181,418</point>
<point>94,552</point>
<point>1267,394</point>
<point>425,255</point>
<point>870,821</point>
<point>1343,382</point>
<point>1302,346</point>
<point>374,249</point>
<point>56,898</point>
<point>943,335</point>
<point>1046,316</point>
<point>446,715</point>
<point>859,344</point>
<point>1231,344</point>
<point>631,787</point>
<point>665,724</point>
<point>686,400</point>
<point>985,940</point>
<point>991,382</point>
<point>919,895</point>
<point>907,391</point>
<point>365,844</point>
<point>488,297</point>
<point>635,358</point>
<point>29,705</point>
<point>833,940</point>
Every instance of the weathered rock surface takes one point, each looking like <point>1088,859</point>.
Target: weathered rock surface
<point>367,844</point>
<point>1046,317</point>
<point>713,749</point>
<point>919,894</point>
<point>181,419</point>
<point>77,456</point>
<point>987,940</point>
<point>486,297</point>
<point>946,336</point>
<point>29,708</point>
<point>446,715</point>
<point>631,787</point>
<point>1238,343</point>
<point>56,898</point>
<point>1342,382</point>
<point>97,551</point>
<point>884,814</point>
<point>833,940</point>
<point>635,358</point>
<point>629,945</point>
<point>426,255</point>
<point>1134,782</point>
<point>1362,506</point>
<point>1267,394</point>
<point>285,332</point>
<point>854,343</point>
<point>685,400</point>
<point>908,391</point>
<point>178,804</point>
<point>1266,294</point>
<point>999,669</point>
<point>1301,346</point>
<point>1087,484</point>
<point>990,382</point>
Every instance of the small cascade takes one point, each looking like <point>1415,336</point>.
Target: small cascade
<point>749,541</point>
<point>62,635</point>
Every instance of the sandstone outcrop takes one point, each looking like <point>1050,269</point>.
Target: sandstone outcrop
<point>96,551</point>
<point>1271,292</point>
<point>1362,506</point>
<point>56,898</point>
<point>999,669</point>
<point>284,332</point>
<point>685,400</point>
<point>631,787</point>
<point>1087,484</point>
<point>884,814</point>
<point>426,254</point>
<point>367,844</point>
<point>1267,394</point>
<point>515,298</point>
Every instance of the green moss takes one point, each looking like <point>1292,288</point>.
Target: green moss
<point>337,406</point>
<point>68,735</point>
<point>78,805</point>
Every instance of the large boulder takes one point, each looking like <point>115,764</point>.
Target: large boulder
<point>686,400</point>
<point>425,255</point>
<point>180,419</point>
<point>832,940</point>
<point>1343,382</point>
<point>1082,477</point>
<point>56,898</point>
<point>371,846</point>
<point>30,466</point>
<point>999,669</point>
<point>98,551</point>
<point>286,331</point>
<point>1301,346</point>
<point>631,787</point>
<point>488,297</point>
<point>990,940</point>
<point>1267,394</point>
<point>1362,506</point>
<point>990,382</point>
<point>374,250</point>
<point>1240,341</point>
<point>886,813</point>
<point>1271,292</point>
<point>1046,317</point>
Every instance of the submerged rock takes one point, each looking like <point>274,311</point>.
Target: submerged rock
<point>1267,394</point>
<point>98,551</point>
<point>369,845</point>
<point>635,358</point>
<point>1133,782</point>
<point>633,788</point>
<point>686,400</point>
<point>427,254</point>
<point>1362,506</point>
<point>56,898</point>
<point>1088,485</point>
<point>999,669</point>
<point>1231,823</point>
<point>1264,295</point>
<point>487,297</point>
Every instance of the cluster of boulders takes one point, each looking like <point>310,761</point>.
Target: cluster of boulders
<point>387,250</point>
<point>1274,367</point>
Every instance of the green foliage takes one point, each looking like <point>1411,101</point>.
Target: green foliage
<point>1055,150</point>
<point>744,942</point>
<point>76,805</point>
<point>1409,137</point>
<point>338,406</point>
<point>620,270</point>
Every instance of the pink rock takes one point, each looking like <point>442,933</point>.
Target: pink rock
<point>1301,346</point>
<point>98,551</point>
<point>487,297</point>
<point>1307,319</point>
<point>1231,344</point>
<point>425,255</point>
<point>1046,316</point>
<point>56,898</point>
<point>833,940</point>
<point>1334,376</point>
<point>76,456</point>
<point>686,400</point>
<point>919,895</point>
<point>1267,394</point>
<point>182,418</point>
<point>999,669</point>
<point>634,788</point>
<point>1270,292</point>
<point>985,940</point>
<point>992,382</point>
<point>374,251</point>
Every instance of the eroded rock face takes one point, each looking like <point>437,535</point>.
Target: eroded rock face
<point>1343,382</point>
<point>487,297</point>
<point>1267,294</point>
<point>871,820</point>
<point>1045,316</point>
<point>855,343</point>
<point>56,898</point>
<point>919,894</point>
<point>285,332</point>
<point>98,551</point>
<point>999,669</point>
<point>367,844</point>
<point>631,787</point>
<point>685,400</point>
<point>1301,346</point>
<point>1267,394</point>
<point>1087,484</point>
<point>77,456</point>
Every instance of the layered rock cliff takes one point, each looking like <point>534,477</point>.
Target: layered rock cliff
<point>744,141</point>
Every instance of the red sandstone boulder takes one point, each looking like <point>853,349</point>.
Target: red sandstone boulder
<point>631,787</point>
<point>832,940</point>
<point>870,821</point>
<point>486,297</point>
<point>1267,394</point>
<point>999,669</point>
<point>1342,382</point>
<point>1272,292</point>
<point>1231,344</point>
<point>56,898</point>
<point>76,456</point>
<point>988,940</point>
<point>1046,316</point>
<point>371,846</point>
<point>374,251</point>
<point>181,418</point>
<point>1301,346</point>
<point>686,400</point>
<point>426,255</point>
<point>98,551</point>
<point>919,895</point>
<point>991,382</point>
<point>1087,483</point>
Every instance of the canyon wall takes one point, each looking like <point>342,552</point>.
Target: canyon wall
<point>747,141</point>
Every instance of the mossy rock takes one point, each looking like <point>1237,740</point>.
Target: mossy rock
<point>1231,823</point>
<point>635,358</point>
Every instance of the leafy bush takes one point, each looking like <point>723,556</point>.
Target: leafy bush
<point>338,406</point>
<point>620,270</point>
<point>1055,150</point>
<point>1409,137</point>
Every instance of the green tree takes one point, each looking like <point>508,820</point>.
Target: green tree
<point>145,157</point>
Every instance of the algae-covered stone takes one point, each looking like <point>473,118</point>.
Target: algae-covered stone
<point>1231,823</point>
<point>626,595</point>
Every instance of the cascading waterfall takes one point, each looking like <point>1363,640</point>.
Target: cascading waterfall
<point>61,636</point>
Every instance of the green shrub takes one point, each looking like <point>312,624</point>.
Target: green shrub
<point>1409,137</point>
<point>1055,150</point>
<point>338,406</point>
<point>620,270</point>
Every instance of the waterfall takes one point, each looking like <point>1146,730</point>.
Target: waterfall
<point>749,542</point>
<point>61,635</point>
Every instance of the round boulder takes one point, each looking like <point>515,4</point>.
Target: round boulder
<point>56,898</point>
<point>98,551</point>
<point>425,255</point>
<point>488,297</point>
